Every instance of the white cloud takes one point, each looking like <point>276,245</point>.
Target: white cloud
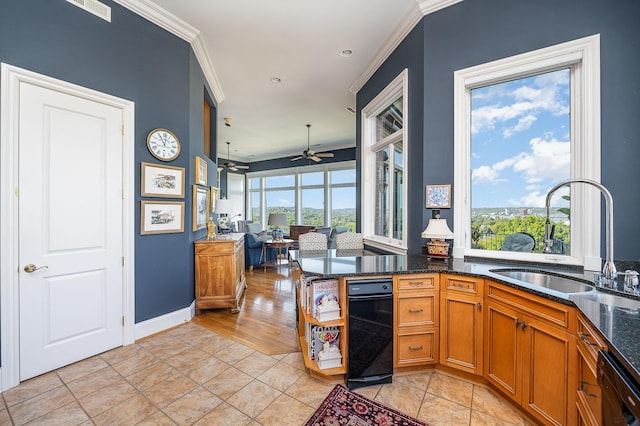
<point>484,174</point>
<point>547,160</point>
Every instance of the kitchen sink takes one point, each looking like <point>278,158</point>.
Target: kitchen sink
<point>546,280</point>
<point>611,300</point>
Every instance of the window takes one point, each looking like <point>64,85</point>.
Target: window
<point>321,195</point>
<point>384,154</point>
<point>522,125</point>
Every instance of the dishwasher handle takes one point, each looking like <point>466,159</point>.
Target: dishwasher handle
<point>371,297</point>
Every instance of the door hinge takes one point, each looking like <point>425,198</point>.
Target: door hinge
<point>122,260</point>
<point>17,191</point>
<point>122,193</point>
<point>123,130</point>
<point>123,320</point>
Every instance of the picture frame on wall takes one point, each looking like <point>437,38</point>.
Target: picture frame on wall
<point>200,207</point>
<point>215,195</point>
<point>159,180</point>
<point>438,196</point>
<point>161,217</point>
<point>201,171</point>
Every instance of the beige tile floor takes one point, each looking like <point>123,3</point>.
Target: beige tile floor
<point>190,375</point>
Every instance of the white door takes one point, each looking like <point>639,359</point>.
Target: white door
<point>70,193</point>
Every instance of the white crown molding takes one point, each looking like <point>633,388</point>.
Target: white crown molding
<point>408,22</point>
<point>182,29</point>
<point>430,6</point>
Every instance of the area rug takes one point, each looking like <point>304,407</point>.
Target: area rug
<point>342,407</point>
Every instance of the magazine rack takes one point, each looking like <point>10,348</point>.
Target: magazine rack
<point>304,319</point>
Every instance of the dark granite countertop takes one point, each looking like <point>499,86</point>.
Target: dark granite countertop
<point>617,317</point>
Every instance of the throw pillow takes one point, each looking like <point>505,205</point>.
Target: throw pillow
<point>254,228</point>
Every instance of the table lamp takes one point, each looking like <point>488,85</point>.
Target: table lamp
<point>438,231</point>
<point>277,219</point>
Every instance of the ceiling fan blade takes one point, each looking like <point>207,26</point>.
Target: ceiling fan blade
<point>316,159</point>
<point>297,158</point>
<point>233,169</point>
<point>242,167</point>
<point>324,154</point>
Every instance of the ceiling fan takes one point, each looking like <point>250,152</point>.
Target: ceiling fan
<point>233,166</point>
<point>312,155</point>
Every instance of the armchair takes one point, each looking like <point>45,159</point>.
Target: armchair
<point>253,249</point>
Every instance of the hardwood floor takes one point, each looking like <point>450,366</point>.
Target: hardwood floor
<point>267,317</point>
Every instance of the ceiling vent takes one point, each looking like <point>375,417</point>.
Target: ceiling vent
<point>95,7</point>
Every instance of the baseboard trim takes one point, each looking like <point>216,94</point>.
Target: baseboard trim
<point>164,322</point>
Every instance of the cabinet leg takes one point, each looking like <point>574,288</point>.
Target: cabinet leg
<point>235,310</point>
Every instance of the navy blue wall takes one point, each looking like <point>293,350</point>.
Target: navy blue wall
<point>475,32</point>
<point>133,59</point>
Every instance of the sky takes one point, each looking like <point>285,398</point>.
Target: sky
<point>520,140</point>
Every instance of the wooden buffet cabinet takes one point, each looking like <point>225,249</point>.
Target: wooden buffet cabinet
<point>220,278</point>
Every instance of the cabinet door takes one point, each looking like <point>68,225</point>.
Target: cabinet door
<point>461,332</point>
<point>548,355</point>
<point>502,359</point>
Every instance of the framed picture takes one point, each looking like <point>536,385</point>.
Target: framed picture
<point>215,195</point>
<point>158,180</point>
<point>201,171</point>
<point>200,207</point>
<point>161,217</point>
<point>438,196</point>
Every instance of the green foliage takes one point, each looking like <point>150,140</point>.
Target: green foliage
<point>489,233</point>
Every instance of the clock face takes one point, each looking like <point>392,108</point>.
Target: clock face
<point>163,144</point>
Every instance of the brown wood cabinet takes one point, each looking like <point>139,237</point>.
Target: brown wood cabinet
<point>530,352</point>
<point>588,394</point>
<point>415,306</point>
<point>461,322</point>
<point>220,278</point>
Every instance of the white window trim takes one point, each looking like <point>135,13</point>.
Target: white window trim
<point>298,187</point>
<point>399,86</point>
<point>583,56</point>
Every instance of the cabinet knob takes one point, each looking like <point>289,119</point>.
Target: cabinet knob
<point>479,306</point>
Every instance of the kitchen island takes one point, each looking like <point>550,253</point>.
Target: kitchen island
<point>615,317</point>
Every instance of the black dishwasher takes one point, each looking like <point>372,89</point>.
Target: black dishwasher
<point>370,332</point>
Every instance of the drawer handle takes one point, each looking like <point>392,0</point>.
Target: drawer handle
<point>583,387</point>
<point>416,283</point>
<point>416,311</point>
<point>418,348</point>
<point>585,338</point>
<point>479,306</point>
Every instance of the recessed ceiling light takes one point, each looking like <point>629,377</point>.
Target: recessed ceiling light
<point>351,110</point>
<point>276,79</point>
<point>346,52</point>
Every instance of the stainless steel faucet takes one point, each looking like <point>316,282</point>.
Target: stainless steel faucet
<point>609,269</point>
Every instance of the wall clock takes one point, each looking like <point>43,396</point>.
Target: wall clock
<point>163,144</point>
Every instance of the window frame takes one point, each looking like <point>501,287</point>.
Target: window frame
<point>298,187</point>
<point>369,148</point>
<point>582,56</point>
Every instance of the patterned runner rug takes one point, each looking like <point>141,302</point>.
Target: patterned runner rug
<point>342,407</point>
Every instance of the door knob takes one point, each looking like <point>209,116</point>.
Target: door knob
<point>31,268</point>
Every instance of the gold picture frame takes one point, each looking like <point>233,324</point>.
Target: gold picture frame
<point>161,181</point>
<point>200,207</point>
<point>215,195</point>
<point>161,217</point>
<point>438,196</point>
<point>201,171</point>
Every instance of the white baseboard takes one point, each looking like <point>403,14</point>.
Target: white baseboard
<point>164,322</point>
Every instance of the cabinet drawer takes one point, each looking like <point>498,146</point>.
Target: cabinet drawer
<point>553,313</point>
<point>462,284</point>
<point>589,392</point>
<point>419,310</point>
<point>589,340</point>
<point>416,282</point>
<point>418,348</point>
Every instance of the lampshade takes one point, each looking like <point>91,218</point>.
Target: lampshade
<point>223,206</point>
<point>277,219</point>
<point>437,228</point>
